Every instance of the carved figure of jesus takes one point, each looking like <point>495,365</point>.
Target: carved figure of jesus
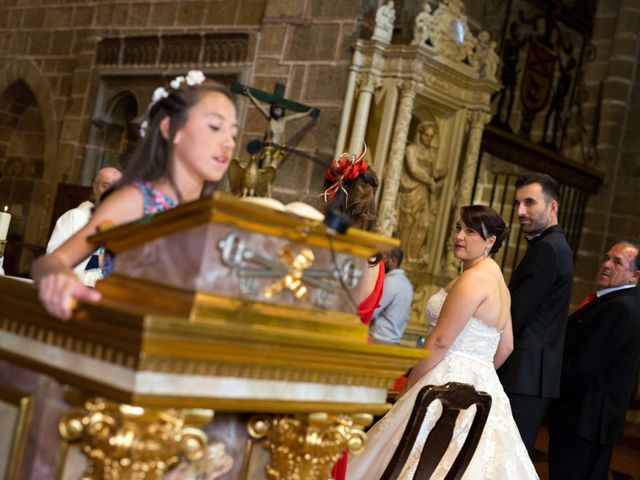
<point>277,118</point>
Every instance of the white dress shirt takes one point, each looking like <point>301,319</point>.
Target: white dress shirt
<point>69,223</point>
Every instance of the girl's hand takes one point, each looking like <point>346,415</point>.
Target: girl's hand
<point>59,292</point>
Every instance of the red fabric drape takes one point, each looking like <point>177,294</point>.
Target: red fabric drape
<point>369,304</point>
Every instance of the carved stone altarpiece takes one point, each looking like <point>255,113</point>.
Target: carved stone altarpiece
<point>444,81</point>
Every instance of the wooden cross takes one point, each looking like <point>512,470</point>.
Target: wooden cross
<point>275,98</point>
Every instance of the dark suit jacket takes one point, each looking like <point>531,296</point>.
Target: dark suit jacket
<point>540,293</point>
<point>600,368</point>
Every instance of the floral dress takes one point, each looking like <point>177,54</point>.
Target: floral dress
<point>154,202</point>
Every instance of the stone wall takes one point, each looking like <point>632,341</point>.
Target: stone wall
<point>48,54</point>
<point>614,213</point>
<point>306,45</point>
<point>49,47</point>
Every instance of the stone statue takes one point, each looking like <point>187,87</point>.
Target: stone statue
<point>423,25</point>
<point>385,19</point>
<point>485,59</point>
<point>418,189</point>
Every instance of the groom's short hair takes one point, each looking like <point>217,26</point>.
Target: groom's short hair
<point>550,187</point>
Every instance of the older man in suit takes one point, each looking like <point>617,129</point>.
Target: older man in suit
<point>540,289</point>
<point>71,221</point>
<point>599,371</point>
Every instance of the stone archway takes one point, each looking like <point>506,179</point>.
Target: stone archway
<point>28,145</point>
<point>114,132</point>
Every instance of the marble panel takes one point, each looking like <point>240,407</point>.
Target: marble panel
<point>148,383</point>
<point>173,260</point>
<point>158,383</point>
<point>9,414</point>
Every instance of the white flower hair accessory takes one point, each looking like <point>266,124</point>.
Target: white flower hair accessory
<point>192,79</point>
<point>143,128</point>
<point>158,94</point>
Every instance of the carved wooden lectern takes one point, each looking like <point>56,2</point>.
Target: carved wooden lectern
<point>218,307</point>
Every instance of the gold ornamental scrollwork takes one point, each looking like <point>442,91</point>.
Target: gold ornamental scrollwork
<point>306,447</point>
<point>126,442</point>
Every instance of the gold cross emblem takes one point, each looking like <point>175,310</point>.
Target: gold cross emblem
<point>292,280</point>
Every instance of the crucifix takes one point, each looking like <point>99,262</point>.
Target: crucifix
<point>258,174</point>
<point>278,105</point>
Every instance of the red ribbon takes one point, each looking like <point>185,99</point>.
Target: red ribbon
<point>344,168</point>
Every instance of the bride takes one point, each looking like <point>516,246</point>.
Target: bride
<point>471,339</point>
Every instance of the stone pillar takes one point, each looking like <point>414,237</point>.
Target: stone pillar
<point>346,113</point>
<point>387,215</point>
<point>367,83</point>
<point>477,120</point>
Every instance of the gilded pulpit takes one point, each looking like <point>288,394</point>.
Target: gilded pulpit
<point>421,109</point>
<point>226,345</point>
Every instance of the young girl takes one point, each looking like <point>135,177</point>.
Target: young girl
<point>189,140</point>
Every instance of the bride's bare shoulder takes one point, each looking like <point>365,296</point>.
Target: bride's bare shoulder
<point>476,274</point>
<point>479,279</point>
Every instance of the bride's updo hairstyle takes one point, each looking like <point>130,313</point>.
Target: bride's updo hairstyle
<point>487,222</point>
<point>351,175</point>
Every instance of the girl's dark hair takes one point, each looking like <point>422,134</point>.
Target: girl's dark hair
<point>151,159</point>
<point>486,221</point>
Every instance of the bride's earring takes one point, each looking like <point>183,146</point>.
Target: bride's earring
<point>486,252</point>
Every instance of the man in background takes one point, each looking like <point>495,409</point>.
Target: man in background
<point>599,371</point>
<point>540,290</point>
<point>88,271</point>
<point>391,318</point>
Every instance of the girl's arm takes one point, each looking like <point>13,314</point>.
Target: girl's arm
<point>462,302</point>
<point>58,287</point>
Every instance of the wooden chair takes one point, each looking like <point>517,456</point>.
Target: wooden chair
<point>455,397</point>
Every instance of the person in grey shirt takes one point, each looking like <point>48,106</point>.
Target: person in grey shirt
<point>391,318</point>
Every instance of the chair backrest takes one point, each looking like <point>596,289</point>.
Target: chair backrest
<point>454,397</point>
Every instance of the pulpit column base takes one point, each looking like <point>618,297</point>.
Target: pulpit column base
<point>306,447</point>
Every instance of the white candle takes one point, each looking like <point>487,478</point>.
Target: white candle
<point>5,219</point>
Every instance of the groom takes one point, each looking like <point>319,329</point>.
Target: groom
<point>540,290</point>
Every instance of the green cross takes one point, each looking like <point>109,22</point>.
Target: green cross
<point>277,97</point>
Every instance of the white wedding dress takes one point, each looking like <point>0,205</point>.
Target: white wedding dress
<point>500,454</point>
